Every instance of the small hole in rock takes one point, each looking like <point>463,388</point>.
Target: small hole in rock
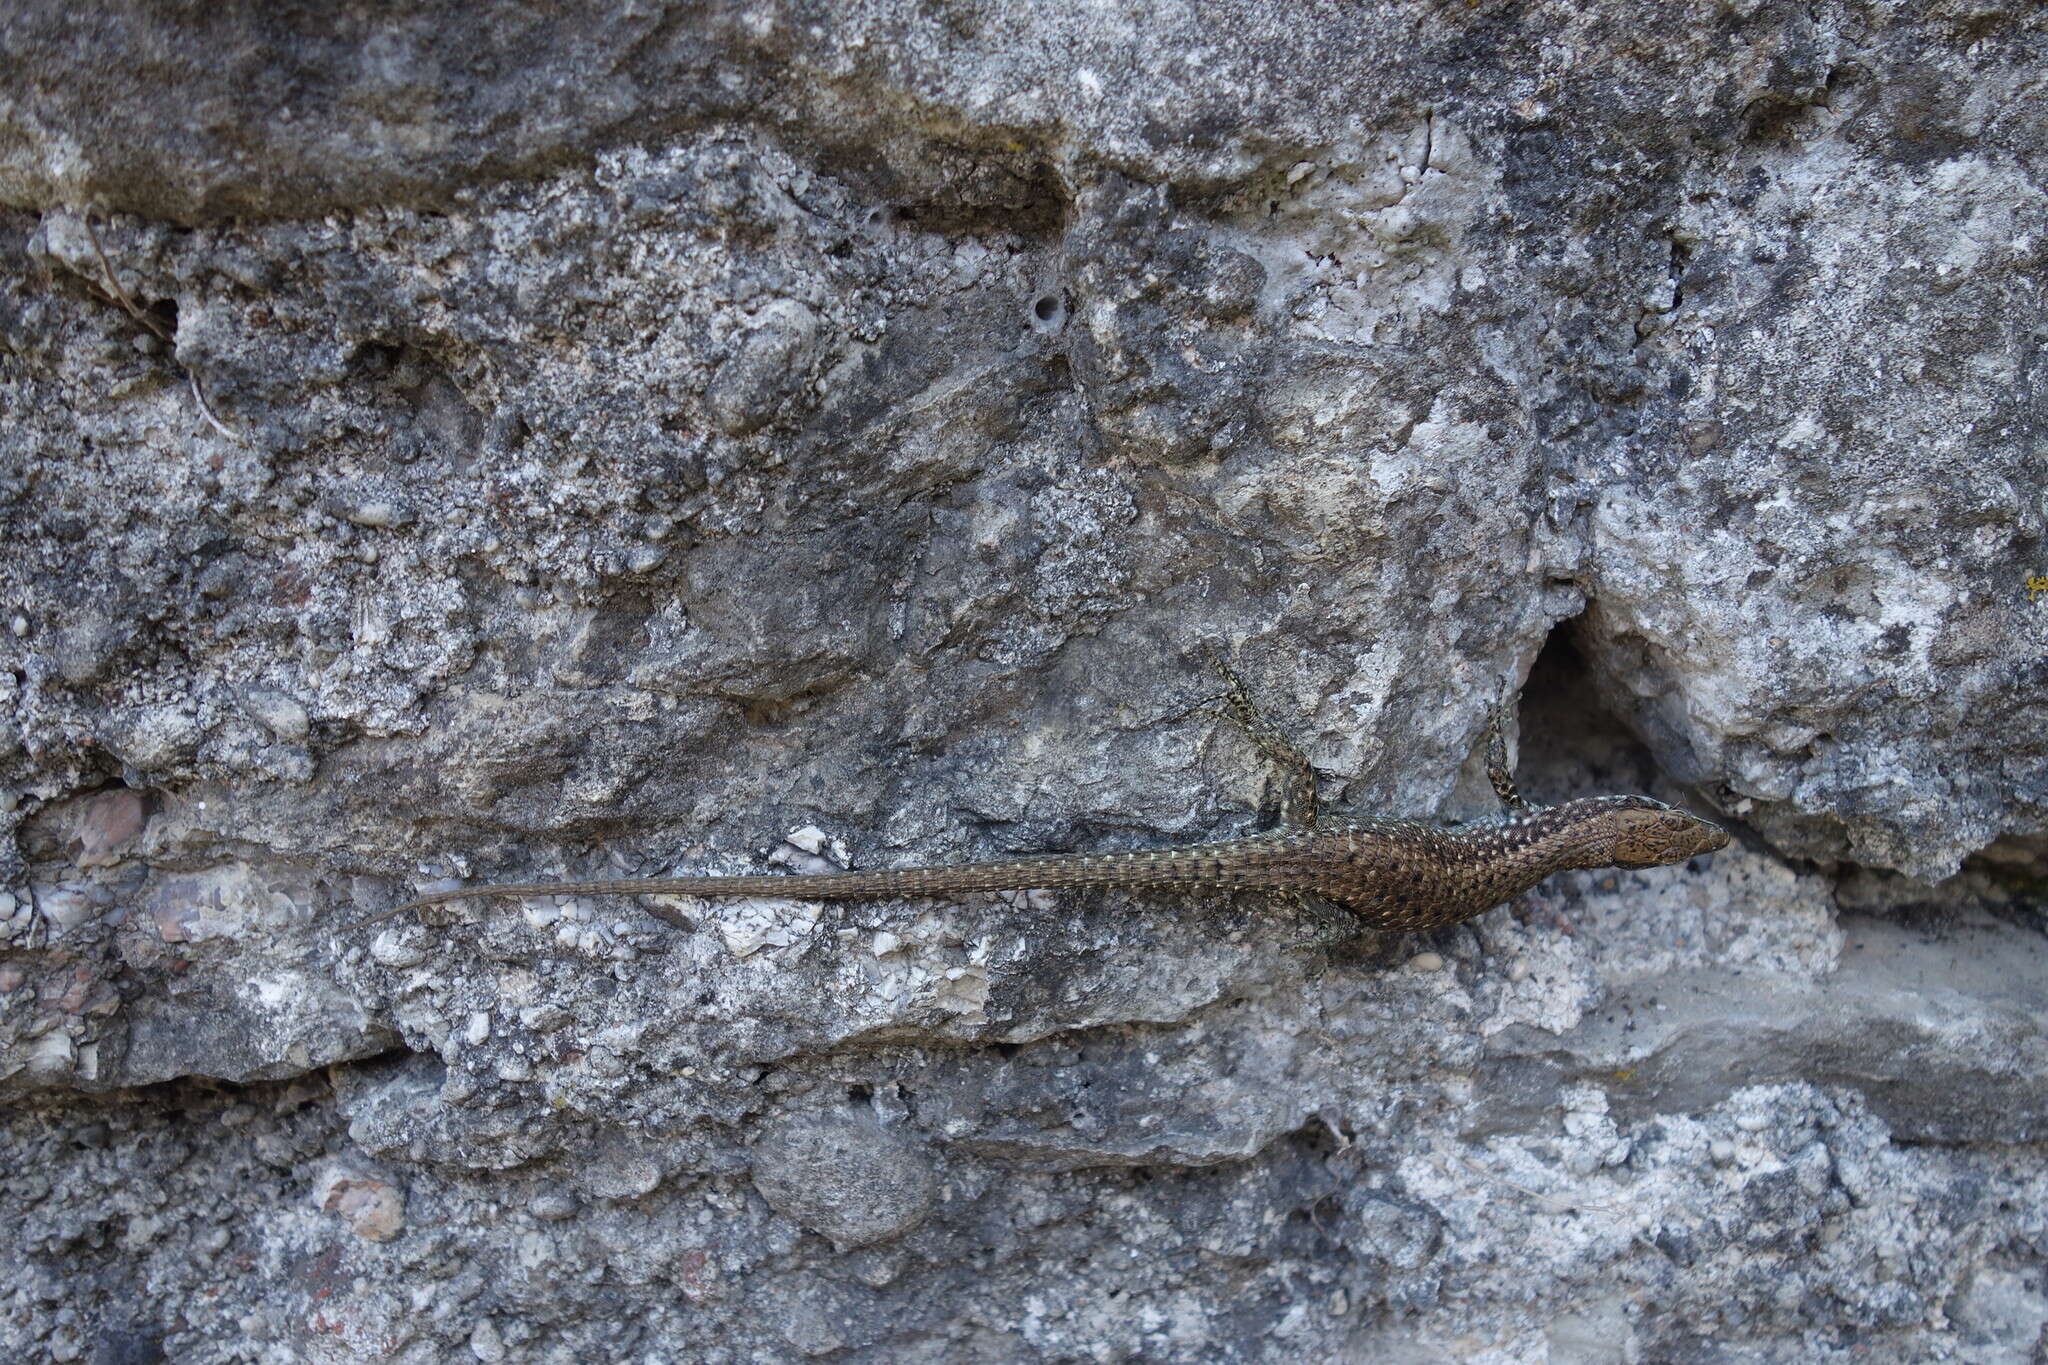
<point>1049,311</point>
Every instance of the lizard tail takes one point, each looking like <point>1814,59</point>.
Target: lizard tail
<point>1209,865</point>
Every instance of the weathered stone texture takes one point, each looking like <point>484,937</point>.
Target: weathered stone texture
<point>523,441</point>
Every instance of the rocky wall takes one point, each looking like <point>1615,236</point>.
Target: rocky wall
<point>516,442</point>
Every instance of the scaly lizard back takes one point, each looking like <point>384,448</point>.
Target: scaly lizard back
<point>1395,874</point>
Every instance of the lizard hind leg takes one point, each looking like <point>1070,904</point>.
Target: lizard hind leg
<point>1310,920</point>
<point>1497,770</point>
<point>1298,779</point>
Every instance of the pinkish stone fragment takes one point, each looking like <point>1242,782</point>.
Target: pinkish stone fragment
<point>373,1207</point>
<point>111,820</point>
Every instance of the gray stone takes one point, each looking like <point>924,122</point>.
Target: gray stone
<point>770,365</point>
<point>280,714</point>
<point>86,645</point>
<point>844,1176</point>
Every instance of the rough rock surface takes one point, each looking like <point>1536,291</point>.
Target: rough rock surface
<point>510,441</point>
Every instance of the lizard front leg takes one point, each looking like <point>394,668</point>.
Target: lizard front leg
<point>1298,779</point>
<point>1497,770</point>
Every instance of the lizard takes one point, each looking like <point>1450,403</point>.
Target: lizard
<point>1394,875</point>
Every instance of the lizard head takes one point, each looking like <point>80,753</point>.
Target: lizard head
<point>1634,831</point>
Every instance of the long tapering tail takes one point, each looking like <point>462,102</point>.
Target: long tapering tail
<point>1222,864</point>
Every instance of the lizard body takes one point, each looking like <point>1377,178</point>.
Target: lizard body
<point>1396,875</point>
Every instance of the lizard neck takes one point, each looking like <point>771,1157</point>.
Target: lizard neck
<point>1551,839</point>
<point>1515,854</point>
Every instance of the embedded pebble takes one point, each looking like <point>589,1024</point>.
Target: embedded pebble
<point>845,1176</point>
<point>479,1028</point>
<point>67,907</point>
<point>51,1055</point>
<point>398,949</point>
<point>154,736</point>
<point>486,1343</point>
<point>749,388</point>
<point>543,1018</point>
<point>376,514</point>
<point>886,943</point>
<point>278,713</point>
<point>1426,962</point>
<point>810,839</point>
<point>112,819</point>
<point>86,647</point>
<point>552,1205</point>
<point>753,925</point>
<point>1721,1152</point>
<point>373,1207</point>
<point>619,1175</point>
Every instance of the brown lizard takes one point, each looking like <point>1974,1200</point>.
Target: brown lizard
<point>1394,874</point>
